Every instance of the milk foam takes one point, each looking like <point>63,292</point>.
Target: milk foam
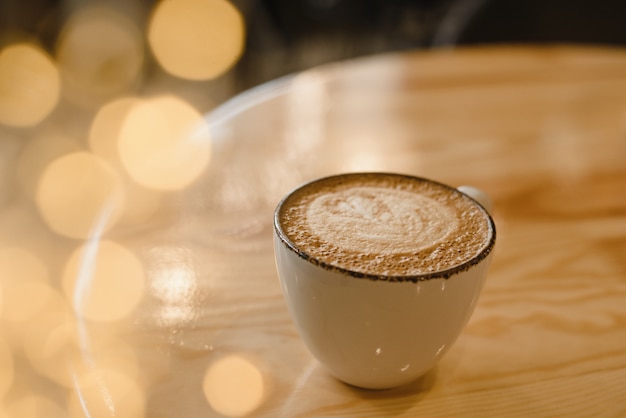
<point>379,220</point>
<point>384,224</point>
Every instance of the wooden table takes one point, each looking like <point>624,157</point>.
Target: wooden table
<point>541,129</point>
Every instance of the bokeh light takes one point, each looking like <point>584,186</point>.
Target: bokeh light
<point>106,126</point>
<point>90,155</point>
<point>141,202</point>
<point>100,54</point>
<point>29,85</point>
<point>234,386</point>
<point>24,282</point>
<point>164,143</point>
<point>104,281</point>
<point>79,194</point>
<point>106,392</point>
<point>196,39</point>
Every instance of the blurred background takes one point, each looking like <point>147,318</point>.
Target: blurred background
<point>69,69</point>
<point>126,79</point>
<point>236,45</point>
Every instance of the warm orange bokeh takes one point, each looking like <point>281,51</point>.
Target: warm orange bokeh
<point>196,39</point>
<point>234,386</point>
<point>164,143</point>
<point>29,85</point>
<point>104,281</point>
<point>96,135</point>
<point>80,195</point>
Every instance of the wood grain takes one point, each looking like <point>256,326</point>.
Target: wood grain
<point>541,129</point>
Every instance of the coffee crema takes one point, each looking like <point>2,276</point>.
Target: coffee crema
<point>380,224</point>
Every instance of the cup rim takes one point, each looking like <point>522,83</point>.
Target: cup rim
<point>445,274</point>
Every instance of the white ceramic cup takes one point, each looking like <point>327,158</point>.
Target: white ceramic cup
<point>379,334</point>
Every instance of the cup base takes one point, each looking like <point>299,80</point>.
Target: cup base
<point>420,383</point>
<point>419,380</point>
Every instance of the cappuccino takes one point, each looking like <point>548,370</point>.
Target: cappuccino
<point>385,226</point>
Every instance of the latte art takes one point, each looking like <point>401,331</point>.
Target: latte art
<point>378,220</point>
<point>383,224</point>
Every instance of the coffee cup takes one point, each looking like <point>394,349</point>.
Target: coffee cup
<point>381,271</point>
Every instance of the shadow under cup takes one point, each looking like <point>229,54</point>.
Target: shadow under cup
<point>377,331</point>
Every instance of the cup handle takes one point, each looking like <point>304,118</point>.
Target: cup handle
<point>478,195</point>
